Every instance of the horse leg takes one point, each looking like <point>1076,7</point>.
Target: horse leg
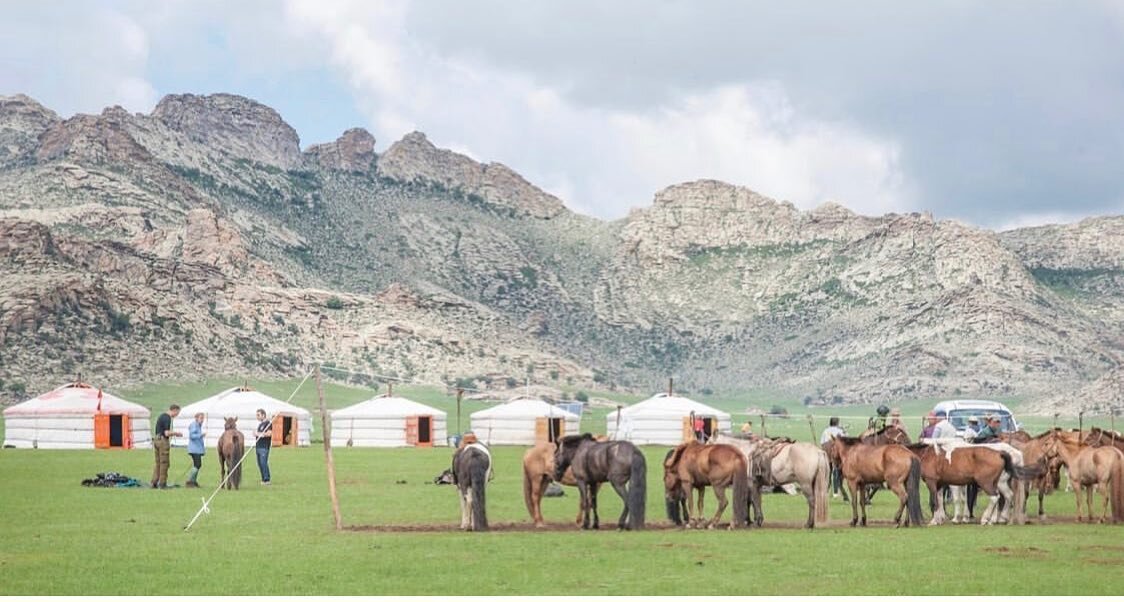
<point>1077,492</point>
<point>810,497</point>
<point>623,493</point>
<point>593,487</point>
<point>1009,495</point>
<point>1089,500</point>
<point>464,509</point>
<point>856,501</point>
<point>583,494</point>
<point>755,502</point>
<point>992,504</point>
<point>720,493</point>
<point>938,512</point>
<point>899,490</point>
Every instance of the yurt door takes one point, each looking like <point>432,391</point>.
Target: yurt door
<point>542,429</point>
<point>557,429</point>
<point>411,430</point>
<point>710,426</point>
<point>688,429</point>
<point>285,431</point>
<point>101,431</point>
<point>425,431</point>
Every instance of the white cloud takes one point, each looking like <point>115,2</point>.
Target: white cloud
<point>601,161</point>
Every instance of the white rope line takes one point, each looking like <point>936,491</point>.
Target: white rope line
<point>205,508</point>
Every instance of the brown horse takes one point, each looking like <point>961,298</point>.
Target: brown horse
<point>990,469</point>
<point>538,472</point>
<point>693,466</point>
<point>1034,456</point>
<point>1089,467</point>
<point>864,464</point>
<point>774,462</point>
<point>1099,437</point>
<point>230,448</point>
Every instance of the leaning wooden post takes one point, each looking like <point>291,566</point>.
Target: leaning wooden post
<point>1080,425</point>
<point>764,431</point>
<point>812,427</point>
<point>1056,414</point>
<point>460,394</point>
<point>326,428</point>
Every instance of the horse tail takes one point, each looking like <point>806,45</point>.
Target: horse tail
<point>913,491</point>
<point>637,490</point>
<point>478,477</point>
<point>236,460</point>
<point>1015,476</point>
<point>820,485</point>
<point>1117,488</point>
<point>741,492</point>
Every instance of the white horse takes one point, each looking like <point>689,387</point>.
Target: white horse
<point>776,462</point>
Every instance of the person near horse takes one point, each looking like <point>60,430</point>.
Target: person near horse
<point>927,432</point>
<point>264,434</point>
<point>747,429</point>
<point>699,426</point>
<point>943,429</point>
<point>879,422</point>
<point>896,418</point>
<point>972,429</point>
<point>162,446</point>
<point>195,449</point>
<point>972,490</point>
<point>990,432</point>
<point>831,431</point>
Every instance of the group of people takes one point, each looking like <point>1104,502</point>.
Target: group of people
<point>161,446</point>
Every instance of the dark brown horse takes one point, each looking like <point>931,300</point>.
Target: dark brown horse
<point>991,470</point>
<point>864,464</point>
<point>231,446</point>
<point>619,462</point>
<point>692,466</point>
<point>1099,437</point>
<point>1049,474</point>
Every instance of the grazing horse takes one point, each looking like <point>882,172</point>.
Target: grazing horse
<point>1089,467</point>
<point>538,472</point>
<point>895,465</point>
<point>693,466</point>
<point>775,462</point>
<point>618,462</point>
<point>471,465</point>
<point>231,446</point>
<point>988,468</point>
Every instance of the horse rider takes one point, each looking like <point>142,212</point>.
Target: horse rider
<point>836,480</point>
<point>896,418</point>
<point>878,423</point>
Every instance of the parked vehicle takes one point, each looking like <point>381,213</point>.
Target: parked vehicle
<point>959,410</point>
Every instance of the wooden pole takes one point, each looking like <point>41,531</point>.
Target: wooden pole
<point>1080,424</point>
<point>671,388</point>
<point>764,431</point>
<point>326,428</point>
<point>812,427</point>
<point>460,394</point>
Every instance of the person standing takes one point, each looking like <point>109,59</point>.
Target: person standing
<point>264,435</point>
<point>836,479</point>
<point>943,429</point>
<point>700,427</point>
<point>990,431</point>
<point>927,432</point>
<point>972,429</point>
<point>747,429</point>
<point>162,446</point>
<point>195,449</point>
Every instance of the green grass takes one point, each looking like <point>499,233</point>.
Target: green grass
<point>61,538</point>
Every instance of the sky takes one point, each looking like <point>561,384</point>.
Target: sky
<point>1001,114</point>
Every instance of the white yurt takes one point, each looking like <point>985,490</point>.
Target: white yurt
<point>388,421</point>
<point>663,420</point>
<point>243,403</point>
<point>523,422</point>
<point>77,416</point>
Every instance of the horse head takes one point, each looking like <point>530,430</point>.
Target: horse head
<point>231,423</point>
<point>568,446</point>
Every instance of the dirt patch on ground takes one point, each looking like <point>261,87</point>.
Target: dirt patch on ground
<point>1027,552</point>
<point>1103,548</point>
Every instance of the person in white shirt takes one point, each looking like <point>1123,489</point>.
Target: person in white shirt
<point>836,479</point>
<point>972,429</point>
<point>944,428</point>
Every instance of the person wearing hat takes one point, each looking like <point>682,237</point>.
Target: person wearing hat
<point>990,431</point>
<point>896,418</point>
<point>943,429</point>
<point>972,428</point>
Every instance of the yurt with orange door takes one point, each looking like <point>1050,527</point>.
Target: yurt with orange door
<point>77,416</point>
<point>388,421</point>
<point>664,420</point>
<point>523,422</point>
<point>292,425</point>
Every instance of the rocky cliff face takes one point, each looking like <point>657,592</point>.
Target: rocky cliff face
<point>200,240</point>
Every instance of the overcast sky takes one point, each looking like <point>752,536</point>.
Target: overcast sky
<point>996,113</point>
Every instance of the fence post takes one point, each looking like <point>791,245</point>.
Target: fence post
<point>326,428</point>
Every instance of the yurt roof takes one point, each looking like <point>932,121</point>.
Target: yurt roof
<point>522,408</point>
<point>242,401</point>
<point>80,399</point>
<point>389,407</point>
<point>669,405</point>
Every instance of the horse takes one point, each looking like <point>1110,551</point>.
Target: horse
<point>538,472</point>
<point>774,462</point>
<point>618,462</point>
<point>1034,454</point>
<point>231,446</point>
<point>676,502</point>
<point>1089,467</point>
<point>895,465</point>
<point>887,434</point>
<point>1099,437</point>
<point>988,468</point>
<point>693,466</point>
<point>471,465</point>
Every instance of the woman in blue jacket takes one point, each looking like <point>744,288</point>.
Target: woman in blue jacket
<point>195,449</point>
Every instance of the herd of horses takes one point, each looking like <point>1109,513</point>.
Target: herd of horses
<point>1005,470</point>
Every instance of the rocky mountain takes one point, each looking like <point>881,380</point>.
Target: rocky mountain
<point>200,239</point>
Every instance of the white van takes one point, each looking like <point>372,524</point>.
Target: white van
<point>959,410</point>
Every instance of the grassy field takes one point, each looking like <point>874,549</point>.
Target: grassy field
<point>61,538</point>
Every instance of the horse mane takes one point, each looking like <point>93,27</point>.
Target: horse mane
<point>782,439</point>
<point>917,446</point>
<point>849,440</point>
<point>675,455</point>
<point>574,438</point>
